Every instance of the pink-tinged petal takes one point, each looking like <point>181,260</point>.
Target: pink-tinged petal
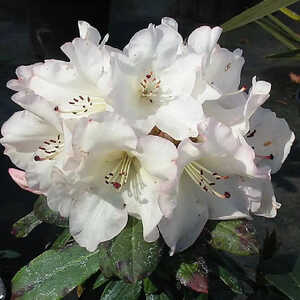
<point>19,178</point>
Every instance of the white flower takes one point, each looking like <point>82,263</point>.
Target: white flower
<point>270,137</point>
<point>209,170</point>
<point>155,80</point>
<point>35,144</point>
<point>118,174</point>
<point>74,88</point>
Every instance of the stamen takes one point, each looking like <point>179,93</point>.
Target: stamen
<point>81,105</point>
<point>244,88</point>
<point>119,176</point>
<point>271,156</point>
<point>196,172</point>
<point>49,150</point>
<point>251,134</point>
<point>149,87</point>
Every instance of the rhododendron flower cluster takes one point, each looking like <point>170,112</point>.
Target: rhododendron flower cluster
<point>161,131</point>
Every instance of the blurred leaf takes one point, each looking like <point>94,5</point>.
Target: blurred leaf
<point>231,281</point>
<point>287,283</point>
<point>192,275</point>
<point>25,225</point>
<point>290,14</point>
<point>10,254</point>
<point>256,12</point>
<point>149,287</point>
<point>277,33</point>
<point>235,236</point>
<point>292,54</point>
<point>101,279</point>
<point>270,245</point>
<point>116,290</point>
<point>54,273</point>
<point>45,214</point>
<point>161,296</point>
<point>128,256</point>
<point>287,30</point>
<point>62,239</point>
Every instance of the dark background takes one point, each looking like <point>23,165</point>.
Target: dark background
<point>32,31</point>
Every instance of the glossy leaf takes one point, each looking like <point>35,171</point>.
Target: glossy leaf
<point>45,214</point>
<point>287,283</point>
<point>101,279</point>
<point>256,12</point>
<point>128,256</point>
<point>25,225</point>
<point>62,239</point>
<point>54,273</point>
<point>235,236</point>
<point>231,281</point>
<point>116,290</point>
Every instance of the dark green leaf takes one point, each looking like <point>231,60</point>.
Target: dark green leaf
<point>235,236</point>
<point>10,254</point>
<point>54,273</point>
<point>292,54</point>
<point>256,12</point>
<point>128,256</point>
<point>116,290</point>
<point>45,214</point>
<point>161,296</point>
<point>277,33</point>
<point>149,287</point>
<point>62,239</point>
<point>25,225</point>
<point>193,276</point>
<point>287,283</point>
<point>101,279</point>
<point>230,280</point>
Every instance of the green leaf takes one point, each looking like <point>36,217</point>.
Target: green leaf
<point>287,283</point>
<point>62,239</point>
<point>25,225</point>
<point>256,12</point>
<point>54,273</point>
<point>45,214</point>
<point>116,290</point>
<point>149,287</point>
<point>231,281</point>
<point>161,296</point>
<point>101,279</point>
<point>192,276</point>
<point>292,54</point>
<point>277,33</point>
<point>128,256</point>
<point>234,236</point>
<point>9,254</point>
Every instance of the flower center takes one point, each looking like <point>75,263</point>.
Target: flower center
<point>49,149</point>
<point>149,87</point>
<point>200,175</point>
<point>119,175</point>
<point>82,105</point>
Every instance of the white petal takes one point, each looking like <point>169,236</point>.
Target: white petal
<point>180,117</point>
<point>184,226</point>
<point>88,32</point>
<point>95,219</point>
<point>158,156</point>
<point>204,39</point>
<point>270,135</point>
